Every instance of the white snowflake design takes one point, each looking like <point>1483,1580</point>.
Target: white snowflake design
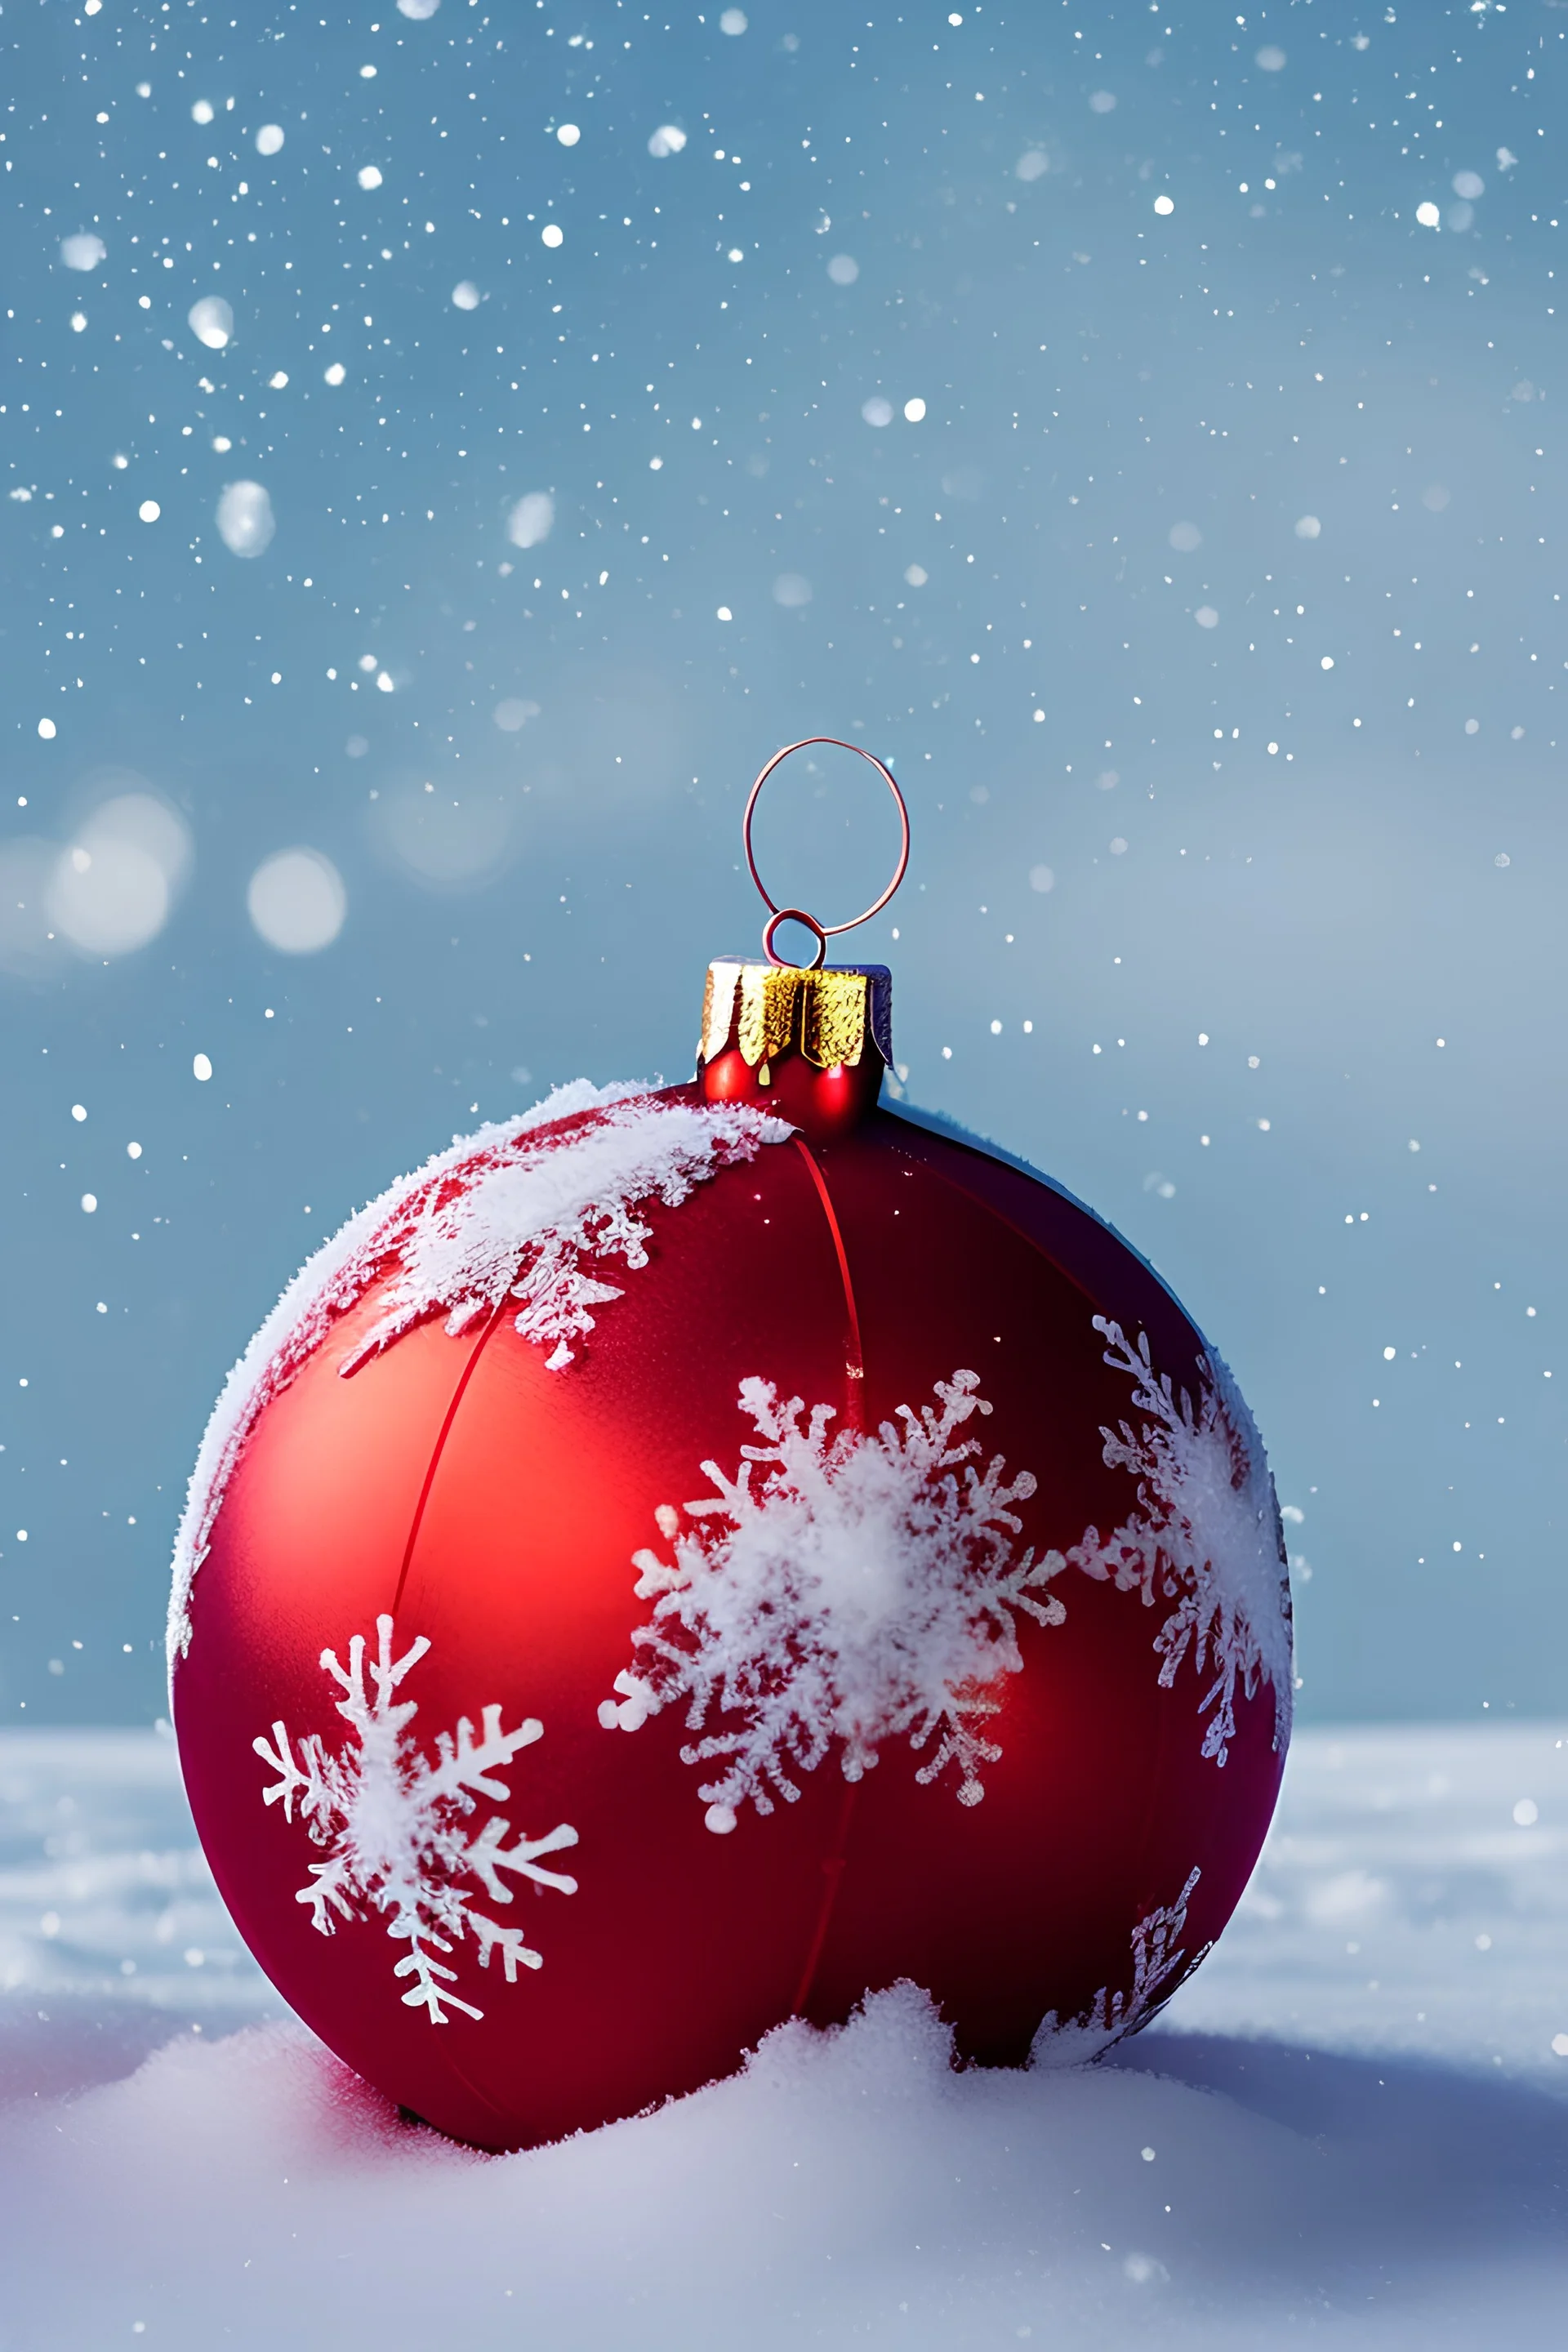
<point>1204,1534</point>
<point>397,1826</point>
<point>1156,1960</point>
<point>841,1589</point>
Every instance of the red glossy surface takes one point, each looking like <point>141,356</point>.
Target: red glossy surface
<point>826,1104</point>
<point>680,1947</point>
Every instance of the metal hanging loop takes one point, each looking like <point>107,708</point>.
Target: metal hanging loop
<point>795,915</point>
<point>823,931</point>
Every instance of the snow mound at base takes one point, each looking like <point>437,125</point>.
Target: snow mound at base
<point>849,2188</point>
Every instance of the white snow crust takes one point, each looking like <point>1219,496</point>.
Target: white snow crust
<point>838,1591</point>
<point>505,1209</point>
<point>396,1825</point>
<point>1205,1535</point>
<point>1355,2120</point>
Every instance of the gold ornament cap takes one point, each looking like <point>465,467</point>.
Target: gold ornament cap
<point>828,1015</point>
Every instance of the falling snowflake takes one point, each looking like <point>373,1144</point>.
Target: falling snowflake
<point>537,1209</point>
<point>397,1826</point>
<point>847,1589</point>
<point>1110,2017</point>
<point>1204,1534</point>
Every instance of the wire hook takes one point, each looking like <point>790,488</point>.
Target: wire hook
<point>823,931</point>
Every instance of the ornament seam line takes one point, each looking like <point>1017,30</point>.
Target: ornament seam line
<point>856,1366</point>
<point>475,2089</point>
<point>439,1448</point>
<point>833,1871</point>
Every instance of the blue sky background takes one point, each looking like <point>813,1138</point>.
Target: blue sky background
<point>1210,613</point>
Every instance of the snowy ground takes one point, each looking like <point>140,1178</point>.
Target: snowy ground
<point>1353,2125</point>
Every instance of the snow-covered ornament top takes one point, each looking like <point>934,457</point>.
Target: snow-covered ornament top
<point>510,1216</point>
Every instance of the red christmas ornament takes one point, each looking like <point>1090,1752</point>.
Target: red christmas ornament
<point>684,1559</point>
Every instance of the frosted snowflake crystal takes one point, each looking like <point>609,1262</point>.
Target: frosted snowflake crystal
<point>539,1216</point>
<point>1204,1534</point>
<point>846,1590</point>
<point>396,1827</point>
<point>1110,2017</point>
